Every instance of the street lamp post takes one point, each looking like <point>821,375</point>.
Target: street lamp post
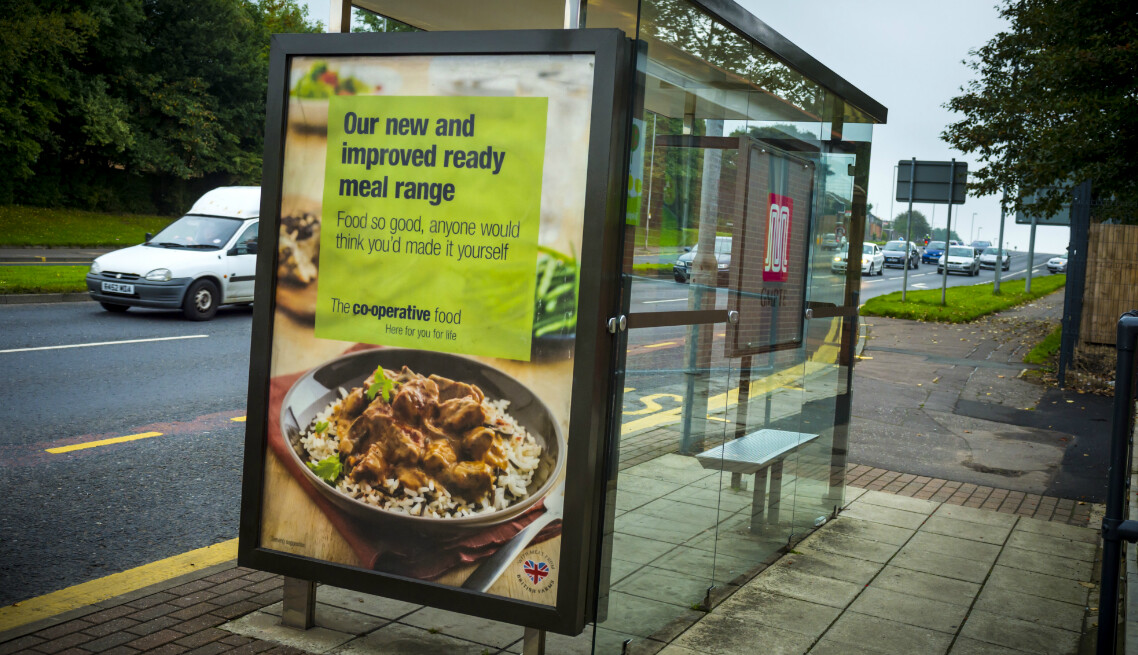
<point>971,236</point>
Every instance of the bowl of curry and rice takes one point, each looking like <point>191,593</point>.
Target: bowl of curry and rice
<point>424,439</point>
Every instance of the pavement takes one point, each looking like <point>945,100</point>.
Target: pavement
<point>975,555</point>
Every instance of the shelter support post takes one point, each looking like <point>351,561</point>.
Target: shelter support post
<point>299,609</point>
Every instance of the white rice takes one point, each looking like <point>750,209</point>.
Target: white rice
<point>510,485</point>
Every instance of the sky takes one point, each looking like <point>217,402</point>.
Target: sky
<point>909,56</point>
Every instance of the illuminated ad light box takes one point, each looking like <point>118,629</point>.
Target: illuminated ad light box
<point>770,242</point>
<point>430,368</point>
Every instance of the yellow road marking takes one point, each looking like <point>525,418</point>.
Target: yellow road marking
<point>659,345</point>
<point>116,584</point>
<point>239,419</point>
<point>650,404</point>
<point>103,442</point>
<point>716,418</point>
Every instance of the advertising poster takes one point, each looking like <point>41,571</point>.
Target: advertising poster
<point>421,371</point>
<point>770,242</point>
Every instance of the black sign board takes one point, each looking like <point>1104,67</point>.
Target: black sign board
<point>430,371</point>
<point>932,181</point>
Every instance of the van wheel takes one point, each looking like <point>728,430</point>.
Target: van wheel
<point>111,307</point>
<point>201,301</point>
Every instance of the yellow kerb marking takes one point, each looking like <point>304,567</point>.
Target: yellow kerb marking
<point>239,419</point>
<point>103,442</point>
<point>116,584</point>
<point>658,345</point>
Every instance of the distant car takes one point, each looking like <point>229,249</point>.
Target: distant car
<point>991,255</point>
<point>830,241</point>
<point>681,270</point>
<point>982,245</point>
<point>1057,264</point>
<point>961,259</point>
<point>932,253</point>
<point>202,260</point>
<point>871,260</point>
<point>894,252</point>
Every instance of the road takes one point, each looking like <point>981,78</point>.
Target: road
<point>76,375</point>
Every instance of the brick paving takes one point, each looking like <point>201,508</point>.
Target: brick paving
<point>1047,508</point>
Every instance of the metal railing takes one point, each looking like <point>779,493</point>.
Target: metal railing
<point>1115,528</point>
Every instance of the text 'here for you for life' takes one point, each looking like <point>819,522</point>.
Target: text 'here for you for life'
<point>432,203</point>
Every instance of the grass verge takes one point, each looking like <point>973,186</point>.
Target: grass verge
<point>649,269</point>
<point>72,228</point>
<point>963,303</point>
<point>43,279</point>
<point>1044,352</point>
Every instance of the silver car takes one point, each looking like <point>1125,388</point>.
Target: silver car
<point>1057,264</point>
<point>960,259</point>
<point>991,255</point>
<point>894,252</point>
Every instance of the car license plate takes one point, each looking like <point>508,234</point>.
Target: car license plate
<point>115,287</point>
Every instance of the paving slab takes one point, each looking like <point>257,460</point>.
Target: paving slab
<point>887,515</point>
<point>966,646</point>
<point>1057,546</point>
<point>668,586</point>
<point>262,625</point>
<point>1060,530</point>
<point>898,502</point>
<point>728,635</point>
<point>978,551</point>
<point>910,610</point>
<point>1039,584</point>
<point>637,616</point>
<point>803,586</point>
<point>386,608</point>
<point>399,639</point>
<point>927,585</point>
<point>986,517</point>
<point>1043,563</point>
<point>1008,602</point>
<point>942,565</point>
<point>840,544</point>
<point>827,646</point>
<point>469,628</point>
<point>872,531</point>
<point>1020,635</point>
<point>830,565</point>
<point>779,611</point>
<point>888,636</point>
<point>989,534</point>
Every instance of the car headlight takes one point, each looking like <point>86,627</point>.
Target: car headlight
<point>159,275</point>
<point>96,268</point>
<point>723,267</point>
<point>865,260</point>
<point>837,259</point>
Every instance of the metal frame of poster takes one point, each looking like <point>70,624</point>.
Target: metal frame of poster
<point>766,321</point>
<point>411,482</point>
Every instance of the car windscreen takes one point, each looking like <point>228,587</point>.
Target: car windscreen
<point>196,233</point>
<point>867,249</point>
<point>895,246</point>
<point>936,245</point>
<point>961,251</point>
<point>992,251</point>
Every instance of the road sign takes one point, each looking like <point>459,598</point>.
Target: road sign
<point>1062,217</point>
<point>932,181</point>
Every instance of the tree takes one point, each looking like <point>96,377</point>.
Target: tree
<point>369,21</point>
<point>920,226</point>
<point>1055,103</point>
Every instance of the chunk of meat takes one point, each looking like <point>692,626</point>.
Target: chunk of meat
<point>372,467</point>
<point>350,408</point>
<point>471,480</point>
<point>415,400</point>
<point>484,445</point>
<point>362,431</point>
<point>439,456</point>
<point>458,415</point>
<point>402,444</point>
<point>412,479</point>
<point>449,389</point>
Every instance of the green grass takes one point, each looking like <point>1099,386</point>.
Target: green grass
<point>963,303</point>
<point>43,279</point>
<point>1044,352</point>
<point>61,228</point>
<point>642,269</point>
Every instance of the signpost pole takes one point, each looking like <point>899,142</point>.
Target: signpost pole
<point>948,231</point>
<point>908,228</point>
<point>1000,244</point>
<point>1030,254</point>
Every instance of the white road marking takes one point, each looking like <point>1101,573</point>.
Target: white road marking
<point>103,343</point>
<point>653,302</point>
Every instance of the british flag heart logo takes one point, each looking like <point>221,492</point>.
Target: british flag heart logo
<point>535,570</point>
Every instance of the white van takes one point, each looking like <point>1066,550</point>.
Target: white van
<point>202,260</point>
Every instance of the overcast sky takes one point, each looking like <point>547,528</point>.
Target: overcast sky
<point>909,57</point>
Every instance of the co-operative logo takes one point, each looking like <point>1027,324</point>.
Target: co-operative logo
<point>776,265</point>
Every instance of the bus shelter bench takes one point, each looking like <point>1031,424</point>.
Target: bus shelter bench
<point>757,453</point>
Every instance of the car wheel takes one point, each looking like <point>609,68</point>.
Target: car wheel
<point>881,271</point>
<point>111,307</point>
<point>201,301</point>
